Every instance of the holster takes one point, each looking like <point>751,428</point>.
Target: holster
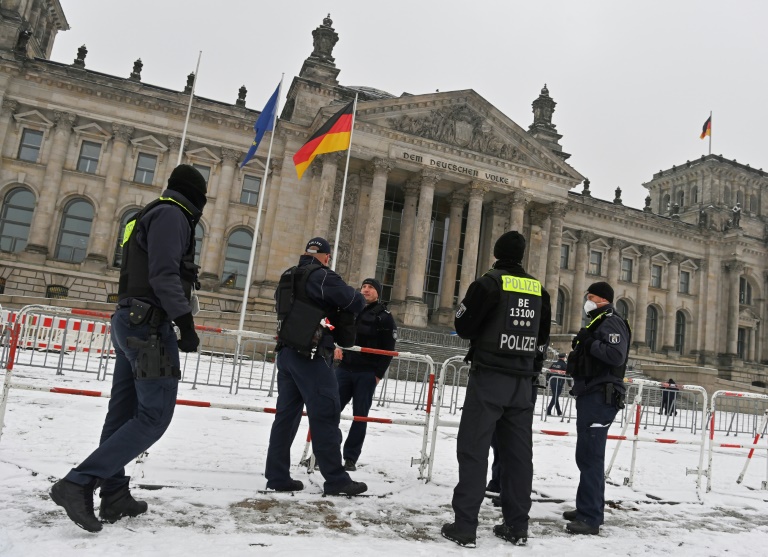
<point>151,361</point>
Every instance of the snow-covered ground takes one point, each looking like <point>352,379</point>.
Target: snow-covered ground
<point>210,463</point>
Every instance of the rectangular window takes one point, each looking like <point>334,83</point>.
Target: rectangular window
<point>656,276</point>
<point>745,292</point>
<point>89,157</point>
<point>145,169</point>
<point>204,170</point>
<point>565,255</point>
<point>250,193</point>
<point>626,269</point>
<point>31,141</point>
<point>685,282</point>
<point>595,263</point>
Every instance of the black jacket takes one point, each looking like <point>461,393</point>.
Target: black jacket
<point>479,304</point>
<point>376,328</point>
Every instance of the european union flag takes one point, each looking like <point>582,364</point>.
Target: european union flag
<point>263,124</point>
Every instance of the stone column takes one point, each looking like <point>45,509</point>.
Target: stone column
<point>579,280</point>
<point>734,268</point>
<point>371,237</point>
<point>104,223</point>
<point>517,207</point>
<point>499,213</point>
<point>472,236</point>
<point>405,243</point>
<point>416,311</point>
<point>212,257</point>
<point>327,187</point>
<point>536,247</point>
<point>40,234</point>
<point>552,278</point>
<point>614,261</point>
<point>445,314</point>
<point>9,108</point>
<point>670,309</point>
<point>644,282</point>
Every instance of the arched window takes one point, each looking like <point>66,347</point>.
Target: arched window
<point>666,206</point>
<point>15,219</point>
<point>753,203</point>
<point>75,231</point>
<point>622,308</point>
<point>694,195</point>
<point>651,327</point>
<point>739,197</point>
<point>199,233</point>
<point>681,198</point>
<point>118,256</point>
<point>679,332</point>
<point>560,309</point>
<point>727,195</point>
<point>236,259</point>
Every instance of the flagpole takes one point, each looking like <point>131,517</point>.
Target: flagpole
<point>710,132</point>
<point>343,189</point>
<point>189,109</point>
<point>246,290</point>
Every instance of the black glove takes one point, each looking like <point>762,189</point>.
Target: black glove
<point>189,340</point>
<point>580,337</point>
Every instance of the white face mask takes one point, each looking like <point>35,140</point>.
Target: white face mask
<point>589,305</point>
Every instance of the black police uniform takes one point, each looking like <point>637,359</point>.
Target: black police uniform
<point>306,376</point>
<point>157,272</point>
<point>358,371</point>
<point>506,315</point>
<point>597,366</point>
<point>556,383</point>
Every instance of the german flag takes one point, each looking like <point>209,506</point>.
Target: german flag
<point>707,129</point>
<point>332,136</point>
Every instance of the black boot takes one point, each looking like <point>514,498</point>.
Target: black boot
<point>464,539</point>
<point>77,500</point>
<point>115,506</point>
<point>351,489</point>
<point>504,532</point>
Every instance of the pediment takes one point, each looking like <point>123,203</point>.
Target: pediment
<point>34,118</point>
<point>149,142</point>
<point>204,155</point>
<point>660,259</point>
<point>463,120</point>
<point>631,251</point>
<point>569,237</point>
<point>92,130</point>
<point>689,265</point>
<point>599,244</point>
<point>749,316</point>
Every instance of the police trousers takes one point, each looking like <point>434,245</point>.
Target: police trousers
<point>593,418</point>
<point>139,410</point>
<point>495,402</point>
<point>359,387</point>
<point>300,381</point>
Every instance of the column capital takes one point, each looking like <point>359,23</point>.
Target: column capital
<point>520,197</point>
<point>382,165</point>
<point>230,155</point>
<point>647,251</point>
<point>477,190</point>
<point>11,106</point>
<point>458,199</point>
<point>411,188</point>
<point>429,177</point>
<point>329,158</point>
<point>676,258</point>
<point>64,120</point>
<point>735,267</point>
<point>538,216</point>
<point>121,132</point>
<point>617,244</point>
<point>585,236</point>
<point>557,210</point>
<point>276,167</point>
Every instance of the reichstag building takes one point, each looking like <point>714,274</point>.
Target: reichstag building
<point>433,180</point>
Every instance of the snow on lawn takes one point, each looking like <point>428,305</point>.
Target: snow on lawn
<point>204,484</point>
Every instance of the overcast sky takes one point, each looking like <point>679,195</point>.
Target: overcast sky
<point>633,81</point>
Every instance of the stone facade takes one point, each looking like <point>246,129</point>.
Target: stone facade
<point>433,179</point>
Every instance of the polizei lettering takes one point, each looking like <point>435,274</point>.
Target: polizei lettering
<point>517,343</point>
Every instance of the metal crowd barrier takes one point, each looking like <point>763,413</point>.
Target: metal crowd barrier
<point>727,400</point>
<point>567,405</point>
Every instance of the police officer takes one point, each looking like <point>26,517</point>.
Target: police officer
<point>597,365</point>
<point>359,373</point>
<point>555,382</point>
<point>310,299</point>
<point>157,275</point>
<point>506,315</point>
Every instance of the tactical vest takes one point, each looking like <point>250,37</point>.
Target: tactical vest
<point>588,366</point>
<point>298,317</point>
<point>369,325</point>
<point>134,268</point>
<point>509,339</point>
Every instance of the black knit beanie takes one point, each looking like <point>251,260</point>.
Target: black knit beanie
<point>602,289</point>
<point>375,283</point>
<point>510,245</point>
<point>187,180</point>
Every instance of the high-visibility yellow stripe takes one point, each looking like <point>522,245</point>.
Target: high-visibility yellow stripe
<point>131,223</point>
<point>521,284</point>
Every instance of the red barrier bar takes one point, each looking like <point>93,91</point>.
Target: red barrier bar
<point>92,313</point>
<point>637,419</point>
<point>668,441</point>
<point>554,432</point>
<point>752,450</point>
<point>80,392</point>
<point>14,341</point>
<point>429,394</point>
<point>379,352</point>
<point>618,437</point>
<point>198,403</point>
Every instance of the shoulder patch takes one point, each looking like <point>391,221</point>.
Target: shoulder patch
<point>394,333</point>
<point>460,312</point>
<point>614,338</point>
